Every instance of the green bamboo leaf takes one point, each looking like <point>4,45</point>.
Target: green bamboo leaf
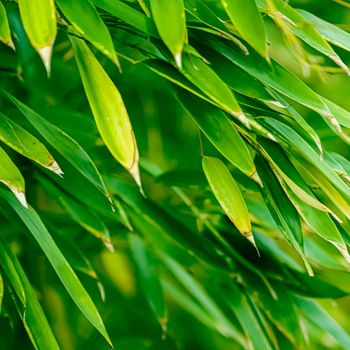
<point>321,224</point>
<point>201,75</point>
<point>241,307</point>
<point>144,6</point>
<point>186,302</point>
<point>228,195</point>
<point>282,210</point>
<point>286,170</point>
<point>298,144</point>
<point>202,298</point>
<point>247,20</point>
<point>320,317</point>
<point>326,188</point>
<point>330,32</point>
<point>9,268</point>
<point>64,271</point>
<point>110,114</point>
<point>221,133</point>
<point>277,77</point>
<point>149,278</point>
<point>281,312</point>
<point>79,213</point>
<point>24,143</point>
<point>11,177</point>
<point>5,34</point>
<point>39,21</point>
<point>63,143</point>
<point>128,14</point>
<point>85,18</point>
<point>31,313</point>
<point>169,17</point>
<point>295,23</point>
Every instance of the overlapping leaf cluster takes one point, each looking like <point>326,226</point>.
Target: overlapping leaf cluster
<point>248,244</point>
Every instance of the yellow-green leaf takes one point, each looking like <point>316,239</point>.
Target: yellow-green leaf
<point>246,18</point>
<point>11,177</point>
<point>26,144</point>
<point>169,17</point>
<point>39,21</point>
<point>85,18</point>
<point>5,34</point>
<point>228,194</point>
<point>108,108</point>
<point>201,75</point>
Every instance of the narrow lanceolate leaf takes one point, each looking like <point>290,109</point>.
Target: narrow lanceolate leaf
<point>221,132</point>
<point>203,301</point>
<point>246,18</point>
<point>276,77</point>
<point>7,265</point>
<point>296,24</point>
<point>5,34</point>
<point>85,18</point>
<point>329,31</point>
<point>322,224</point>
<point>11,177</point>
<point>39,21</point>
<point>108,108</point>
<point>321,318</point>
<point>79,213</point>
<point>24,143</point>
<point>201,75</point>
<point>228,195</point>
<point>64,271</point>
<point>169,17</point>
<point>63,143</point>
<point>29,308</point>
<point>148,277</point>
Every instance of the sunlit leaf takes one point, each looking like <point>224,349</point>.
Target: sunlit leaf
<point>110,114</point>
<point>39,20</point>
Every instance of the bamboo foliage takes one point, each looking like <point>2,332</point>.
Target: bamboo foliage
<point>172,177</point>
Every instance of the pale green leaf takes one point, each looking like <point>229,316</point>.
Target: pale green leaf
<point>108,108</point>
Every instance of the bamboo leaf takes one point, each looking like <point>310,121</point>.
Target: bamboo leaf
<point>295,23</point>
<point>79,213</point>
<point>322,224</point>
<point>247,20</point>
<point>5,34</point>
<point>39,21</point>
<point>169,17</point>
<point>221,133</point>
<point>149,278</point>
<point>64,271</point>
<point>85,18</point>
<point>330,32</point>
<point>128,14</point>
<point>24,143</point>
<point>277,77</point>
<point>110,114</point>
<point>12,177</point>
<point>30,311</point>
<point>201,75</point>
<point>320,317</point>
<point>228,195</point>
<point>63,143</point>
<point>241,306</point>
<point>203,299</point>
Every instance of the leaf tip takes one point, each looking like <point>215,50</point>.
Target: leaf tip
<point>178,59</point>
<point>20,195</point>
<point>256,178</point>
<point>45,54</point>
